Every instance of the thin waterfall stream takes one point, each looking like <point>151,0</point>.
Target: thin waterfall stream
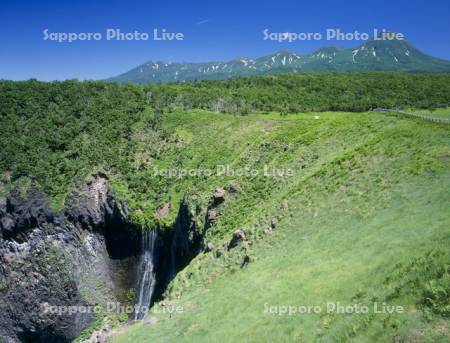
<point>147,277</point>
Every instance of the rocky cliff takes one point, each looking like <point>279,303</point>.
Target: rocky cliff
<point>85,255</point>
<point>61,259</point>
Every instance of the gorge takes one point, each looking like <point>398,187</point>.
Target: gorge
<point>89,254</point>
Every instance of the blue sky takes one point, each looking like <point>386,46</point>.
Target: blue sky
<point>213,30</point>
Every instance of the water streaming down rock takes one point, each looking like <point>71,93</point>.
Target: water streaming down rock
<point>147,277</point>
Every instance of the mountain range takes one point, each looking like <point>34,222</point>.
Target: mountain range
<point>373,55</point>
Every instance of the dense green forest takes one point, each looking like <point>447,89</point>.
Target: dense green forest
<point>56,133</point>
<point>293,93</point>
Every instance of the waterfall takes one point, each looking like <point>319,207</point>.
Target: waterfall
<point>146,275</point>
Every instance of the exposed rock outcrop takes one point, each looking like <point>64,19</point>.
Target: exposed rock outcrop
<point>218,196</point>
<point>19,215</point>
<point>63,259</point>
<point>93,207</point>
<point>163,211</point>
<point>209,247</point>
<point>212,213</point>
<point>238,237</point>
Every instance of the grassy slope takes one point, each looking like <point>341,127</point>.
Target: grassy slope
<point>364,219</point>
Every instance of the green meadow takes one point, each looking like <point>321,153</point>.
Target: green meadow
<point>363,221</point>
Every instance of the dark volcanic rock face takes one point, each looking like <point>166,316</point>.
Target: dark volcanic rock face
<point>64,259</point>
<point>93,207</point>
<point>18,215</point>
<point>187,239</point>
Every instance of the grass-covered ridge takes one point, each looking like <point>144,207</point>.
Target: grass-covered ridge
<point>363,221</point>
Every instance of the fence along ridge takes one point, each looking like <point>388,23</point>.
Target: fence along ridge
<point>414,115</point>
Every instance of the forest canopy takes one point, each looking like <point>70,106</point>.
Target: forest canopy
<point>58,132</point>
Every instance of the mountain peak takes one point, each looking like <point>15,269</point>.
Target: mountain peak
<point>373,55</point>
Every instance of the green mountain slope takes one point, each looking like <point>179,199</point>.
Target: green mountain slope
<point>363,221</point>
<point>396,55</point>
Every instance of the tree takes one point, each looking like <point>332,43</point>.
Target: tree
<point>158,118</point>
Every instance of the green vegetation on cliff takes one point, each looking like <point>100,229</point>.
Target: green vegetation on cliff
<point>348,207</point>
